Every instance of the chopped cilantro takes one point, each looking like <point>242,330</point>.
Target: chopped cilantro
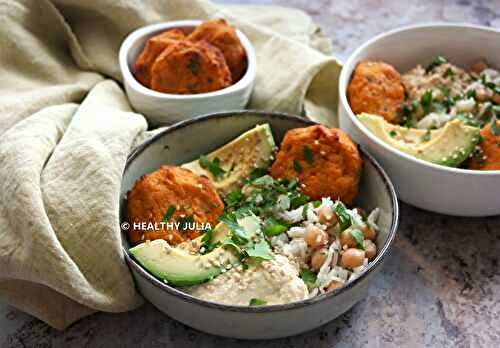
<point>393,133</point>
<point>212,166</point>
<point>342,216</point>
<point>308,154</point>
<point>358,236</point>
<point>206,241</point>
<point>233,198</point>
<point>495,130</point>
<point>305,208</point>
<point>298,199</point>
<point>170,212</point>
<point>471,93</point>
<point>316,204</point>
<point>297,166</point>
<point>426,100</point>
<point>436,62</point>
<point>449,72</point>
<point>260,250</point>
<point>426,136</point>
<point>309,277</point>
<point>257,302</point>
<point>257,173</point>
<point>273,228</point>
<point>239,235</point>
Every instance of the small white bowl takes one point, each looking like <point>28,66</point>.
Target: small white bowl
<point>164,108</point>
<point>426,185</point>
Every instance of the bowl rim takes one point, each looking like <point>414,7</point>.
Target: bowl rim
<point>148,30</point>
<point>384,251</point>
<point>345,77</point>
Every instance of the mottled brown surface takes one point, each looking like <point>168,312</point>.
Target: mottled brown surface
<point>439,288</point>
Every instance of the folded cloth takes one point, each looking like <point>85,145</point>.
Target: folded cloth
<point>66,130</point>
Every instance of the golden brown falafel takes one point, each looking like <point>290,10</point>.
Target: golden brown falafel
<point>220,34</point>
<point>376,88</point>
<point>153,194</point>
<point>187,67</point>
<point>153,48</point>
<point>325,161</point>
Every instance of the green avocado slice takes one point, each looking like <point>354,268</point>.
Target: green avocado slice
<point>253,149</point>
<point>448,146</point>
<point>177,266</point>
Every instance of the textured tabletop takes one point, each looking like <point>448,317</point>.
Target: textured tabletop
<point>440,286</point>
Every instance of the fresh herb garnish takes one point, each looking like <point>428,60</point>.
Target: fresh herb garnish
<point>305,208</point>
<point>358,236</point>
<point>260,250</point>
<point>308,154</point>
<point>426,100</point>
<point>257,302</point>
<point>273,228</point>
<point>426,136</point>
<point>298,199</point>
<point>309,277</point>
<point>297,166</point>
<point>170,212</point>
<point>495,130</point>
<point>206,241</point>
<point>393,133</point>
<point>343,216</point>
<point>239,235</point>
<point>212,166</point>
<point>257,173</point>
<point>436,62</point>
<point>233,198</point>
<point>468,120</point>
<point>316,204</point>
<point>449,72</point>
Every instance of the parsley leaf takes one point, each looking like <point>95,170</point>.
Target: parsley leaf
<point>297,166</point>
<point>212,166</point>
<point>257,302</point>
<point>273,228</point>
<point>233,198</point>
<point>309,277</point>
<point>308,154</point>
<point>358,236</point>
<point>436,62</point>
<point>260,250</point>
<point>170,212</point>
<point>393,133</point>
<point>342,215</point>
<point>239,234</point>
<point>426,136</point>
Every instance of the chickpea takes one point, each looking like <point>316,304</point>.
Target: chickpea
<point>347,239</point>
<point>352,258</point>
<point>315,237</point>
<point>334,285</point>
<point>327,216</point>
<point>318,259</point>
<point>370,249</point>
<point>369,233</point>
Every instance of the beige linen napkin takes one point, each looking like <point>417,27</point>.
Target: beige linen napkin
<point>66,129</point>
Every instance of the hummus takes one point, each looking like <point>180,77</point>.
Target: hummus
<point>275,282</point>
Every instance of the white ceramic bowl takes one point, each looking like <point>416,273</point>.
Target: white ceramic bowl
<point>164,108</point>
<point>428,186</point>
<point>170,147</point>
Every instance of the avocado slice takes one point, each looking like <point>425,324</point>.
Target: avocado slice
<point>177,266</point>
<point>238,158</point>
<point>447,146</point>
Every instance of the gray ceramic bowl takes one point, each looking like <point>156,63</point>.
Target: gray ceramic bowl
<point>186,141</point>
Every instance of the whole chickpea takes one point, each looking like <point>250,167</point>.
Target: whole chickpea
<point>334,285</point>
<point>370,249</point>
<point>326,216</point>
<point>315,237</point>
<point>318,258</point>
<point>347,239</point>
<point>352,258</point>
<point>369,233</point>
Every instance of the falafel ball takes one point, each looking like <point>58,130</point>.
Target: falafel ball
<point>376,88</point>
<point>187,67</point>
<point>177,191</point>
<point>222,35</point>
<point>325,162</point>
<point>153,48</point>
<point>488,156</point>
